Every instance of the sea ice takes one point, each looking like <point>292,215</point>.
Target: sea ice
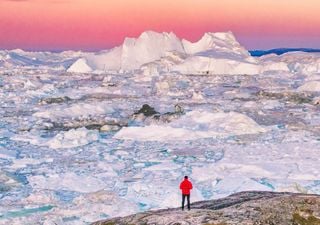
<point>71,151</point>
<point>73,138</point>
<point>311,86</point>
<point>194,125</point>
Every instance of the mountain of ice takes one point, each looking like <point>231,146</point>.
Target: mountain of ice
<point>134,52</point>
<point>152,46</point>
<point>105,60</point>
<point>215,43</point>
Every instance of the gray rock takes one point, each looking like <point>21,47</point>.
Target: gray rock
<point>245,208</point>
<point>149,115</point>
<point>55,100</point>
<point>147,110</point>
<point>298,98</point>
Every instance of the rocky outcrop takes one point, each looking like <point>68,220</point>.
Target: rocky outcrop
<point>146,110</point>
<point>294,97</point>
<point>149,115</point>
<point>54,100</point>
<point>246,208</point>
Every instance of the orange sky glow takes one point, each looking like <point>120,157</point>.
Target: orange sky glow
<point>101,24</point>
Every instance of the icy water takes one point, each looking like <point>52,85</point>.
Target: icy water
<point>57,167</point>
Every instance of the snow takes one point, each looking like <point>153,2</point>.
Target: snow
<point>274,66</point>
<point>73,152</point>
<point>297,62</point>
<point>68,181</point>
<point>207,65</point>
<point>194,125</point>
<point>106,60</point>
<point>25,162</point>
<point>220,42</point>
<point>73,138</point>
<point>312,86</point>
<point>65,139</point>
<point>150,46</point>
<point>80,66</point>
<point>78,110</point>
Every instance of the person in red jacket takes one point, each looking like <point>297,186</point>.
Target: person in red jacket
<point>185,187</point>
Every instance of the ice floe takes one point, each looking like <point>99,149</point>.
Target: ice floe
<point>195,125</point>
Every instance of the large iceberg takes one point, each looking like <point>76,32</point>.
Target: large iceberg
<point>152,46</point>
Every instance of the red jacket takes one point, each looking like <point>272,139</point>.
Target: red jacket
<point>185,187</point>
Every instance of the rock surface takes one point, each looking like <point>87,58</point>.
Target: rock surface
<point>249,208</point>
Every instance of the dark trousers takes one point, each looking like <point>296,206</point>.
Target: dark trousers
<point>183,200</point>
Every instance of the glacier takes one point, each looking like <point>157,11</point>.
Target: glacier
<point>77,145</point>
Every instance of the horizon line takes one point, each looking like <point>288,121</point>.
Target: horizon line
<point>104,49</point>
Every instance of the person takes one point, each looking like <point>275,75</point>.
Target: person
<point>185,187</point>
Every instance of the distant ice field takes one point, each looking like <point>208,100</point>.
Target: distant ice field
<point>81,146</point>
<point>236,133</point>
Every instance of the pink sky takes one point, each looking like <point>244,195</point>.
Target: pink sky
<point>101,24</point>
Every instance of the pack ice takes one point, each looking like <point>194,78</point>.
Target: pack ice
<point>86,136</point>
